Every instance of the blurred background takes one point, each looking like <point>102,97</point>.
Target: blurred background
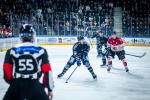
<point>129,18</point>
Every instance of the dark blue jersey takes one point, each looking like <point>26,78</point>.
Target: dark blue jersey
<point>80,49</point>
<point>99,39</point>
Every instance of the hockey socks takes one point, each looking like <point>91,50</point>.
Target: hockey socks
<point>103,61</point>
<point>125,65</point>
<point>109,65</point>
<point>92,72</point>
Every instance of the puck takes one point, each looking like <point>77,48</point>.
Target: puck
<point>66,82</point>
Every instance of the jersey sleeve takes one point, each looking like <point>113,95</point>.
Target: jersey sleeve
<point>47,80</point>
<point>8,67</point>
<point>121,41</point>
<point>75,47</point>
<point>86,47</point>
<point>45,66</point>
<point>121,45</point>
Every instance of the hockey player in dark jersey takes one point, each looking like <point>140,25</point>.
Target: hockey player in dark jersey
<point>80,53</point>
<point>101,41</point>
<point>24,66</point>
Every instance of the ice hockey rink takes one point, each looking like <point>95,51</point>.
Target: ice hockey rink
<point>114,85</point>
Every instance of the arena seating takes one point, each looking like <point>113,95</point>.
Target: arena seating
<point>72,17</point>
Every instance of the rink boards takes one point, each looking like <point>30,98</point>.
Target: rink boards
<point>7,43</point>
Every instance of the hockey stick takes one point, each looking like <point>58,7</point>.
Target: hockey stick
<point>89,38</point>
<point>139,56</point>
<point>71,74</point>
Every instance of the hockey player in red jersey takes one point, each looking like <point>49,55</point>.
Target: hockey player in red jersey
<point>116,47</point>
<point>24,66</point>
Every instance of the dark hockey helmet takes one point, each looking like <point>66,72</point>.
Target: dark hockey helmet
<point>80,38</point>
<point>101,32</point>
<point>27,33</point>
<point>114,33</point>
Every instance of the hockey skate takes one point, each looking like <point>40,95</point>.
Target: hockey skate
<point>127,70</point>
<point>103,65</point>
<point>60,75</point>
<point>109,68</point>
<point>94,76</point>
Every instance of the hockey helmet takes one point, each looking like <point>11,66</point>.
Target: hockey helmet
<point>27,33</point>
<point>80,38</point>
<point>114,33</point>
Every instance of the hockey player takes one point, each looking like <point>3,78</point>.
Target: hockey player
<point>23,67</point>
<point>80,53</point>
<point>101,41</point>
<point>116,47</point>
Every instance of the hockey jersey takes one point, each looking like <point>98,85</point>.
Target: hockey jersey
<point>80,49</point>
<point>99,39</point>
<point>28,61</point>
<point>116,44</point>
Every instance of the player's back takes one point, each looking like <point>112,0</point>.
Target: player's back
<point>27,58</point>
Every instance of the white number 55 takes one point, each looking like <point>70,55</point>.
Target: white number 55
<point>26,64</point>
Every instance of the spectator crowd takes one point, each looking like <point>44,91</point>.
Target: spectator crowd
<point>72,17</point>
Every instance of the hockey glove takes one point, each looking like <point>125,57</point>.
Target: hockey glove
<point>78,63</point>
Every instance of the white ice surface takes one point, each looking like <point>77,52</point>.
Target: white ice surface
<point>116,85</point>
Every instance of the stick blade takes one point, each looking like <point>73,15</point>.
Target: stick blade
<point>139,56</point>
<point>143,55</point>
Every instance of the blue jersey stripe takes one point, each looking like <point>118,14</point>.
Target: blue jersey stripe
<point>30,49</point>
